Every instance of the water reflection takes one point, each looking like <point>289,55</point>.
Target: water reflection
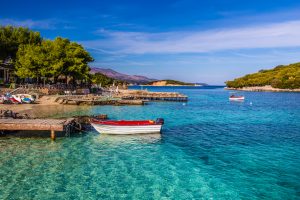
<point>129,139</point>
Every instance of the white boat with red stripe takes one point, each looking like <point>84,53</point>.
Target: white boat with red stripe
<point>236,98</point>
<point>125,127</point>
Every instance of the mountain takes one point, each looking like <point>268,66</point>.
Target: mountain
<point>282,76</point>
<point>124,77</point>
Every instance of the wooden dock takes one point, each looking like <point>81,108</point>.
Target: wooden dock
<point>156,97</point>
<point>51,125</point>
<point>151,96</point>
<point>82,100</point>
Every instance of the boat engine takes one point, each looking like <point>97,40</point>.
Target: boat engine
<point>160,121</point>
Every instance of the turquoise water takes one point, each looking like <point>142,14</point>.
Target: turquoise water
<point>210,148</point>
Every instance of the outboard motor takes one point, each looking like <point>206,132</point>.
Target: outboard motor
<point>160,121</point>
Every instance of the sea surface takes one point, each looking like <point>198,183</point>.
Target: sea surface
<point>210,148</point>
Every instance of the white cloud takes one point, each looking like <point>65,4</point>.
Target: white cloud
<point>29,23</point>
<point>274,35</point>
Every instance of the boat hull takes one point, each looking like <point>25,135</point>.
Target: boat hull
<point>237,99</point>
<point>127,130</point>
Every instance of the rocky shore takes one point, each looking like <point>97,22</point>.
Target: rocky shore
<point>266,88</point>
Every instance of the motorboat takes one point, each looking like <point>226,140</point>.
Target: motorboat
<point>125,127</point>
<point>236,98</point>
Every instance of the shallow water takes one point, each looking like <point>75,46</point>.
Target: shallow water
<point>210,148</point>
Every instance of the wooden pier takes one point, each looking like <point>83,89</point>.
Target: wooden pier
<point>164,96</point>
<point>151,96</point>
<point>156,98</point>
<point>83,100</point>
<point>51,125</point>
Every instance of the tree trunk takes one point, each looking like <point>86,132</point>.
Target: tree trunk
<point>73,81</point>
<point>55,78</point>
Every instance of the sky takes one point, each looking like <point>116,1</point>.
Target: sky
<point>208,41</point>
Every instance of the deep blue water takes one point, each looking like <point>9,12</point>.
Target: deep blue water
<point>210,148</point>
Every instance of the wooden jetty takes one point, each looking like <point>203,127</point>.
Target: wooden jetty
<point>82,100</point>
<point>51,125</point>
<point>150,96</point>
<point>157,98</point>
<point>153,96</point>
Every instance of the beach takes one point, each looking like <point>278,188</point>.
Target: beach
<point>44,107</point>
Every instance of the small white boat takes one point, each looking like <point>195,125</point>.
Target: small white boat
<point>236,98</point>
<point>125,127</point>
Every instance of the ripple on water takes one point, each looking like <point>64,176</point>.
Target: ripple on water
<point>210,149</point>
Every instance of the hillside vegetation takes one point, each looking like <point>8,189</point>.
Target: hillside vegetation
<point>99,78</point>
<point>169,82</point>
<point>282,76</point>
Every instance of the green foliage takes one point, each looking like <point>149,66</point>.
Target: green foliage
<point>99,78</point>
<point>76,61</point>
<point>173,82</point>
<point>53,59</point>
<point>12,37</point>
<point>285,77</point>
<point>34,57</point>
<point>102,79</point>
<point>28,61</point>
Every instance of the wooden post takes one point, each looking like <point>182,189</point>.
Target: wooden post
<point>53,136</point>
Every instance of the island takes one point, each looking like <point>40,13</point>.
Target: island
<point>283,78</point>
<point>171,83</point>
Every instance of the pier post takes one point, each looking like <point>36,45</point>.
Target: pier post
<point>53,136</point>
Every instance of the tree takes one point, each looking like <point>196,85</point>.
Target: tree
<point>28,63</point>
<point>76,61</point>
<point>53,59</point>
<point>102,79</point>
<point>12,37</point>
<point>35,61</point>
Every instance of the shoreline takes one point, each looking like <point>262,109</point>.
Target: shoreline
<point>266,88</point>
<point>171,85</point>
<point>62,105</point>
<point>46,111</point>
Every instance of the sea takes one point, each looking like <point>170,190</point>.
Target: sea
<point>210,148</point>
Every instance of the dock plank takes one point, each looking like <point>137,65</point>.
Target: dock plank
<point>33,124</point>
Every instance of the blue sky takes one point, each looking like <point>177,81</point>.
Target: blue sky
<point>190,40</point>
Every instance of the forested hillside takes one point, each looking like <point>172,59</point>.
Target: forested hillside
<point>282,76</point>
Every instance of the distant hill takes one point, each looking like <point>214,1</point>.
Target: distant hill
<point>124,77</point>
<point>169,83</point>
<point>282,76</point>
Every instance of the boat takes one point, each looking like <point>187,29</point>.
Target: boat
<point>9,99</point>
<point>2,99</point>
<point>126,127</point>
<point>25,98</point>
<point>5,99</point>
<point>236,98</point>
<point>14,99</point>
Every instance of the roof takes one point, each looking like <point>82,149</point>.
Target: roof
<point>5,66</point>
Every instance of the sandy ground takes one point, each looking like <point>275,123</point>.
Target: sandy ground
<point>47,107</point>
